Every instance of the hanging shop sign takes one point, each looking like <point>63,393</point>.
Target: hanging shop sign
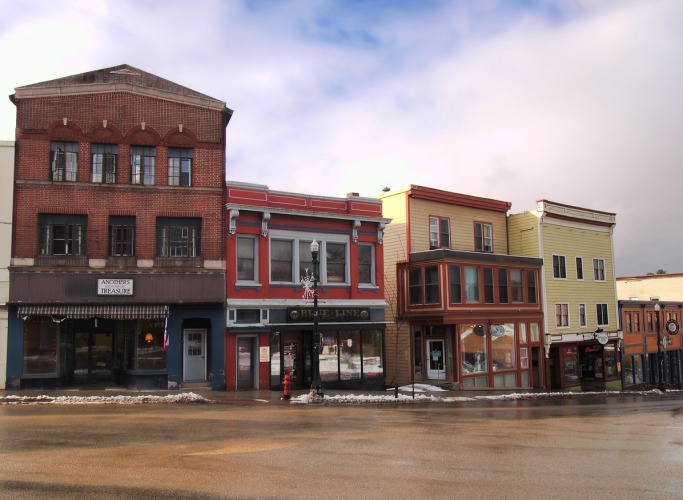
<point>328,314</point>
<point>115,287</point>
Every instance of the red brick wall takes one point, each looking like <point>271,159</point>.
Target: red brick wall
<point>40,120</point>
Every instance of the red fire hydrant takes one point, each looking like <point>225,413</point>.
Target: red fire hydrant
<point>287,387</point>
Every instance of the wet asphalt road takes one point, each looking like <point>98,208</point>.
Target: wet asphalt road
<point>598,448</point>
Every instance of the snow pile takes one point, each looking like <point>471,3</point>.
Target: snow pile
<point>188,397</point>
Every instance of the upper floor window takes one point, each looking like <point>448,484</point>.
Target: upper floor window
<point>483,237</point>
<point>103,163</point>
<point>579,268</point>
<point>62,234</point>
<point>582,314</point>
<point>439,232</point>
<point>489,294</point>
<point>531,287</point>
<point>180,166</point>
<point>602,315</point>
<point>599,269</point>
<point>629,324</point>
<point>143,165</point>
<point>456,284</point>
<point>503,285</point>
<point>179,237</point>
<point>290,257</point>
<point>472,284</point>
<point>636,322</point>
<point>517,287</point>
<point>63,161</point>
<point>366,264</point>
<point>121,236</point>
<point>246,258</point>
<point>650,328</point>
<point>429,276</point>
<point>559,267</point>
<point>562,314</point>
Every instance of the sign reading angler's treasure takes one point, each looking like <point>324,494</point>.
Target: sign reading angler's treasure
<point>305,314</point>
<point>114,287</point>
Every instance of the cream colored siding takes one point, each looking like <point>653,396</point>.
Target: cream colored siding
<point>462,221</point>
<point>658,286</point>
<point>588,244</point>
<point>523,235</point>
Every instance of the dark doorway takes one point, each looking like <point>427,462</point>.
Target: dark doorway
<point>92,357</point>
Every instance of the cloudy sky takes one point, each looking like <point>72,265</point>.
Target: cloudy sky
<point>575,101</point>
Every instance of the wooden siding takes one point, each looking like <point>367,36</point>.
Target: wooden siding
<point>462,221</point>
<point>523,235</point>
<point>395,250</point>
<point>575,242</point>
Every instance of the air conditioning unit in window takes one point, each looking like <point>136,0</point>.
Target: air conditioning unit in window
<point>434,243</point>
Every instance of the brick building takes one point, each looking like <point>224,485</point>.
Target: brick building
<point>271,311</point>
<point>117,273</point>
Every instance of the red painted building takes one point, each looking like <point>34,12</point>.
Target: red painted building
<point>269,268</point>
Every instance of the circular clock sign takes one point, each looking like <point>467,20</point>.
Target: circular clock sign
<point>671,327</point>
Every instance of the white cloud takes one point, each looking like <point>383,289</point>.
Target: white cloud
<point>577,102</point>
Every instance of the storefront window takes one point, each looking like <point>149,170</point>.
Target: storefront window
<point>473,348</point>
<point>417,348</point>
<point>150,345</point>
<point>522,333</point>
<point>610,362</point>
<point>535,332</point>
<point>329,369</point>
<point>349,355</point>
<point>145,345</point>
<point>40,346</point>
<point>503,347</point>
<point>571,373</point>
<point>372,354</point>
<point>275,359</point>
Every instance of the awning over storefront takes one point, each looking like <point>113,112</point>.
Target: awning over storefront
<point>95,311</point>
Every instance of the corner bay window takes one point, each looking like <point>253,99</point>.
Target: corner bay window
<point>63,161</point>
<point>143,165</point>
<point>62,234</point>
<point>472,284</point>
<point>291,257</point>
<point>180,166</point>
<point>430,292</point>
<point>178,237</point>
<point>455,284</point>
<point>103,167</point>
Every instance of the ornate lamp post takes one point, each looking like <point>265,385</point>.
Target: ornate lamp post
<point>316,384</point>
<point>660,360</point>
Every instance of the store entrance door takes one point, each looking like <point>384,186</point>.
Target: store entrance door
<point>93,357</point>
<point>194,355</point>
<point>246,363</point>
<point>436,369</point>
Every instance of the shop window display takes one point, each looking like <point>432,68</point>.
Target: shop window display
<point>40,346</point>
<point>473,347</point>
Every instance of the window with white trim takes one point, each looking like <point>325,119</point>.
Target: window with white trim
<point>366,264</point>
<point>247,263</point>
<point>439,232</point>
<point>559,267</point>
<point>582,314</point>
<point>561,314</point>
<point>290,256</point>
<point>483,237</point>
<point>579,268</point>
<point>599,269</point>
<point>602,316</point>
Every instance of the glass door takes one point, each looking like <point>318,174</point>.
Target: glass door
<point>436,369</point>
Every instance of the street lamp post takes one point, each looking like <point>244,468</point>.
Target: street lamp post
<point>316,384</point>
<point>660,360</point>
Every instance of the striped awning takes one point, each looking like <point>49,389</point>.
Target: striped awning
<point>95,311</point>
